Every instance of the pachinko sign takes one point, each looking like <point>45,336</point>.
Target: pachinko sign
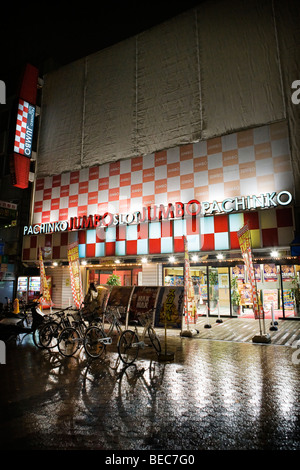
<point>74,266</point>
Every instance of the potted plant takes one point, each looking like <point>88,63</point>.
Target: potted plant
<point>213,282</point>
<point>113,280</point>
<point>235,296</point>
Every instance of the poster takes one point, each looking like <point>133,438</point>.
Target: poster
<point>143,301</point>
<point>270,296</point>
<point>75,274</point>
<point>245,292</point>
<point>288,273</point>
<point>120,297</point>
<point>170,306</point>
<point>288,299</point>
<point>270,273</point>
<point>239,272</point>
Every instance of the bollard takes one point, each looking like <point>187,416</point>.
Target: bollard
<point>219,320</point>
<point>207,325</point>
<point>273,323</point>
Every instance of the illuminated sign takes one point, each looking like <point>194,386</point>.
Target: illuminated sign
<point>24,128</point>
<point>178,210</point>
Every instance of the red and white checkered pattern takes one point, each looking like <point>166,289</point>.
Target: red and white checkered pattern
<point>22,117</point>
<point>249,162</point>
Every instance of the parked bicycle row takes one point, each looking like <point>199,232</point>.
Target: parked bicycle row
<point>70,329</point>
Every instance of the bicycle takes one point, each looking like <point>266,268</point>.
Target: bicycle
<point>130,343</point>
<point>97,338</point>
<point>112,318</point>
<point>72,337</point>
<point>31,322</point>
<point>78,334</point>
<point>49,332</point>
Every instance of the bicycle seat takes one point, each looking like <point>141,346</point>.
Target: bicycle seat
<point>133,322</point>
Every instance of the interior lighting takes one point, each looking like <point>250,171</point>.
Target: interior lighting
<point>144,260</point>
<point>220,256</point>
<point>83,263</point>
<point>195,258</point>
<point>172,259</point>
<point>274,254</point>
<point>117,261</point>
<point>55,263</point>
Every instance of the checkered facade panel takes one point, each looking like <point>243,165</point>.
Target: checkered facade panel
<point>250,162</point>
<point>272,227</point>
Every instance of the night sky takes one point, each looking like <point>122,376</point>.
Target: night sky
<point>50,35</point>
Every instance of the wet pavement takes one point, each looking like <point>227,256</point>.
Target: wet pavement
<point>214,395</point>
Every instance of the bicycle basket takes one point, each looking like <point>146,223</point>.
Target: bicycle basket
<point>145,317</point>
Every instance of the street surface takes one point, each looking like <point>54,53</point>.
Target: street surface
<point>214,395</point>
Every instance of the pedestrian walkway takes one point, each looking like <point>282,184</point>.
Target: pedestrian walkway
<point>243,330</point>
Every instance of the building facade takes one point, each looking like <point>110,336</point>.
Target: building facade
<point>140,146</point>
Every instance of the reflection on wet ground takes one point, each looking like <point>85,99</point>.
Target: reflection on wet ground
<point>213,395</point>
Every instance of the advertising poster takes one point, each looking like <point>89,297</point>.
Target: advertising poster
<point>170,306</point>
<point>270,296</point>
<point>75,275</point>
<point>239,272</point>
<point>288,299</point>
<point>288,273</point>
<point>257,271</point>
<point>120,297</point>
<point>270,273</point>
<point>245,292</point>
<point>143,302</point>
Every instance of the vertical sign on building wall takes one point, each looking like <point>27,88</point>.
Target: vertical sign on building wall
<point>74,266</point>
<point>20,159</point>
<point>245,245</point>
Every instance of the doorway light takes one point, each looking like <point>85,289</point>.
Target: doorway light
<point>220,256</point>
<point>144,260</point>
<point>83,263</point>
<point>274,254</point>
<point>195,258</point>
<point>172,259</point>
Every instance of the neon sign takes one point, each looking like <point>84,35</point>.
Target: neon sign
<point>24,128</point>
<point>178,210</point>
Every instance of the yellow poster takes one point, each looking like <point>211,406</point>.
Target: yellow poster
<point>74,266</point>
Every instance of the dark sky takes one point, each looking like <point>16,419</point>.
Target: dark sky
<point>49,35</point>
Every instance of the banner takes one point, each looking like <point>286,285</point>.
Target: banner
<point>245,245</point>
<point>169,308</point>
<point>188,287</point>
<point>45,300</point>
<point>74,266</point>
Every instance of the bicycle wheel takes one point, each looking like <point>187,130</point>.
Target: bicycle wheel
<point>36,337</point>
<point>154,340</point>
<point>48,334</point>
<point>93,345</point>
<point>128,347</point>
<point>68,341</point>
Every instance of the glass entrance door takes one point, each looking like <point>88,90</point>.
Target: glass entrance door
<point>219,291</point>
